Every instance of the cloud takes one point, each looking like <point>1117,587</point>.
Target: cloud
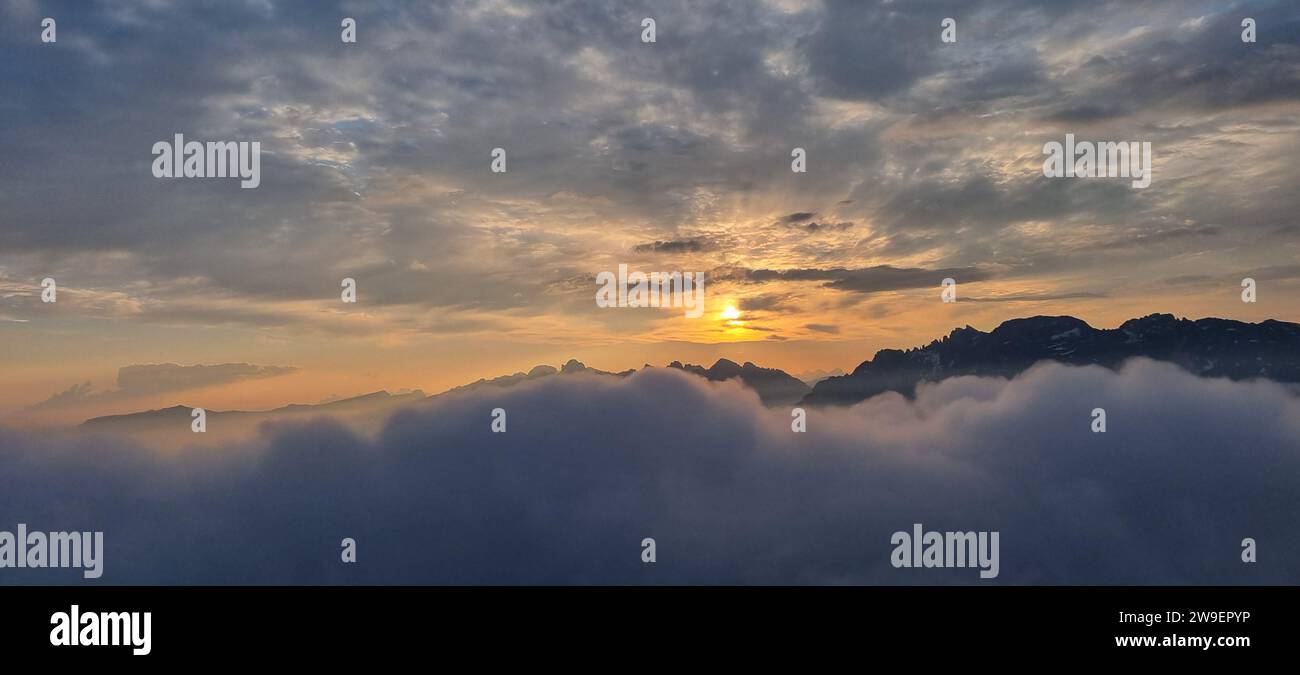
<point>591,465</point>
<point>1277,272</point>
<point>1035,297</point>
<point>767,302</point>
<point>160,378</point>
<point>675,246</point>
<point>804,220</point>
<point>861,280</point>
<point>834,227</point>
<point>1086,112</point>
<point>374,154</point>
<point>76,394</point>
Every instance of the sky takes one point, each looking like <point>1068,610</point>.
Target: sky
<point>923,162</point>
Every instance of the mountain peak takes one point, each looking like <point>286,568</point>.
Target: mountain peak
<point>1036,325</point>
<point>724,368</point>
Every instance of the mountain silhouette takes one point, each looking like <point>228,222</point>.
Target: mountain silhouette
<point>173,423</point>
<point>774,387</point>
<point>1208,347</point>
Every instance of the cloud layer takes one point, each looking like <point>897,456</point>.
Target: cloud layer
<point>591,465</point>
<point>922,155</point>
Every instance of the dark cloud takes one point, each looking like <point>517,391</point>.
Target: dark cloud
<point>880,50</point>
<point>803,220</point>
<point>1086,112</point>
<point>822,328</point>
<point>1207,64</point>
<point>1150,239</point>
<point>868,50</point>
<point>979,200</point>
<point>590,466</point>
<point>675,246</point>
<point>861,280</point>
<point>767,302</point>
<point>832,227</point>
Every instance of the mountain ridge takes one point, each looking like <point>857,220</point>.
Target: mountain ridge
<point>1210,347</point>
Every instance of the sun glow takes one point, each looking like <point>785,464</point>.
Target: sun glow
<point>731,313</point>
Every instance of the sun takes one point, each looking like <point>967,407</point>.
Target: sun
<point>731,313</point>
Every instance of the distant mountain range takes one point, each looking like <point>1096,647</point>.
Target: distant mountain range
<point>171,426</point>
<point>1208,347</point>
<point>174,423</point>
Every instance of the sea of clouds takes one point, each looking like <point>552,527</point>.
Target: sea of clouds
<point>592,465</point>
